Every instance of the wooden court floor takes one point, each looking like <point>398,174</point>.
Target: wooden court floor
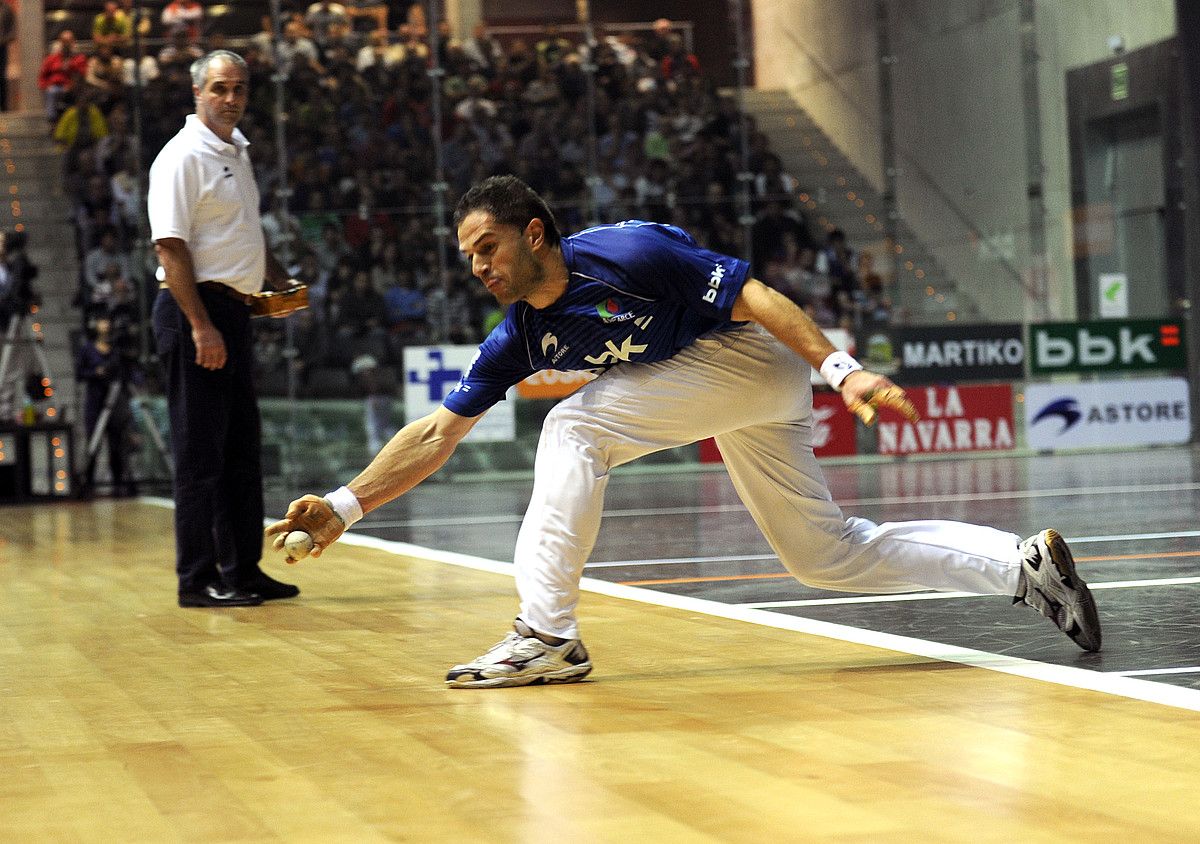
<point>325,719</point>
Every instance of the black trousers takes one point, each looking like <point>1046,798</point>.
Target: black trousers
<point>216,440</point>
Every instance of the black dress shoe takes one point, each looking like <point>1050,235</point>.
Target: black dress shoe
<point>270,589</point>
<point>216,595</point>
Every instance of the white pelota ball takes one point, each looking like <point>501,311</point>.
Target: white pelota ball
<point>297,544</point>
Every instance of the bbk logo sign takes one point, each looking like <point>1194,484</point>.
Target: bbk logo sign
<point>714,283</point>
<point>1140,411</point>
<point>1106,346</point>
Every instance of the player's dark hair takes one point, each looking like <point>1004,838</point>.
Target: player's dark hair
<point>509,201</point>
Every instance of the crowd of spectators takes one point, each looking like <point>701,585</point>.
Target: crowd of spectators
<point>360,159</point>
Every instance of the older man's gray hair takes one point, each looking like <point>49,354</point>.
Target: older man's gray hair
<point>199,67</point>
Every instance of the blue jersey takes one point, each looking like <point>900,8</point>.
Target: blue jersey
<point>636,292</point>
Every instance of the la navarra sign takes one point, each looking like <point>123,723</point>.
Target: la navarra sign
<point>953,419</point>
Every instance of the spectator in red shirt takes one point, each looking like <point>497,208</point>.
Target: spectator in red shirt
<point>185,13</point>
<point>62,70</point>
<point>678,62</point>
<point>658,42</point>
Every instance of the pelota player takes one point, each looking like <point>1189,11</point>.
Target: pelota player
<point>690,347</point>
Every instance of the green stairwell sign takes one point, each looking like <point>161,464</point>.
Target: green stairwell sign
<point>1114,295</point>
<point>1120,81</point>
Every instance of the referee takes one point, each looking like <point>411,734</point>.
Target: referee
<point>203,205</point>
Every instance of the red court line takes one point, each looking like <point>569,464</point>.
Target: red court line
<point>782,575</point>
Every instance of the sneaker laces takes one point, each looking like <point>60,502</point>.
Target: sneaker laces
<point>512,645</point>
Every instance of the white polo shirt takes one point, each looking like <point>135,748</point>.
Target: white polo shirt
<point>202,191</point>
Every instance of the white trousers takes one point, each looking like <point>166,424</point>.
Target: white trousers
<point>752,394</point>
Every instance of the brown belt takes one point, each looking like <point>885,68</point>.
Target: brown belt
<point>245,298</point>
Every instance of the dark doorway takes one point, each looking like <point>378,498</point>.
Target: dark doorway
<point>1127,185</point>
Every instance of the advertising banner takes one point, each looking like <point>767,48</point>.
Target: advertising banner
<point>834,434</point>
<point>430,372</point>
<point>946,353</point>
<point>552,384</point>
<point>1149,411</point>
<point>1106,346</point>
<point>953,419</point>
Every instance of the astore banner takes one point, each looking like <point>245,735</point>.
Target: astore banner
<point>1140,411</point>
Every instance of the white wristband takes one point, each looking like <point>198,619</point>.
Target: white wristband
<point>837,366</point>
<point>345,505</point>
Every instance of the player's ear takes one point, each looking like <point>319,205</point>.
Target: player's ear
<point>535,233</point>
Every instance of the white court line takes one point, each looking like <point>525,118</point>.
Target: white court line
<point>444,521</point>
<point>1161,581</point>
<point>1133,537</point>
<point>941,596</point>
<point>451,521</point>
<point>1024,493</point>
<point>670,561</point>
<point>1146,672</point>
<point>729,558</point>
<point>862,599</point>
<point>1080,678</point>
<point>1062,675</point>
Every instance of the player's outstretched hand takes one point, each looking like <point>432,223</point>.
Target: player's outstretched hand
<point>313,515</point>
<point>864,392</point>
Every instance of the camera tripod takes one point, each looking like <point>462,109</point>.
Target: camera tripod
<point>10,344</point>
<point>141,414</point>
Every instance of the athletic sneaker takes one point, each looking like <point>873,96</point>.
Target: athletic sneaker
<point>522,659</point>
<point>1051,586</point>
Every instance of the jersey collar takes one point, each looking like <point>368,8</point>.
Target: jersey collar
<point>209,138</point>
<point>568,253</point>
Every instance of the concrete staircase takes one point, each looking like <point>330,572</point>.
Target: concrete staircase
<point>34,180</point>
<point>840,196</point>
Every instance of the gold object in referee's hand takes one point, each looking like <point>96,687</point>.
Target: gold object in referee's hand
<point>279,303</point>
